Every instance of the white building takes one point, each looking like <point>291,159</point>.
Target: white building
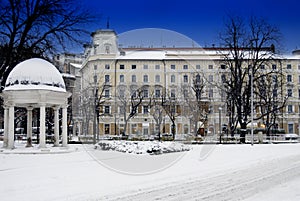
<point>114,74</point>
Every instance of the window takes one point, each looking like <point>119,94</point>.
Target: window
<point>185,67</point>
<point>133,78</point>
<point>107,66</point>
<point>122,66</point>
<point>146,131</point>
<point>274,67</point>
<point>290,108</point>
<point>106,78</point>
<point>299,95</point>
<point>133,94</point>
<point>173,93</point>
<point>172,78</point>
<point>146,93</point>
<point>290,92</point>
<point>173,67</point>
<point>107,49</point>
<point>173,109</point>
<point>121,78</point>
<point>95,67</point>
<point>157,78</point>
<point>157,93</point>
<point>106,109</point>
<point>291,128</point>
<point>275,79</point>
<point>133,66</point>
<point>122,93</point>
<point>262,67</point>
<point>198,66</point>
<point>146,78</point>
<point>106,93</point>
<point>299,67</point>
<point>289,66</point>
<point>275,93</point>
<point>210,78</point>
<point>198,79</point>
<point>106,129</point>
<point>223,78</point>
<point>211,93</point>
<point>223,67</point>
<point>210,66</point>
<point>185,93</point>
<point>145,109</point>
<point>145,66</point>
<point>185,79</point>
<point>289,78</point>
<point>157,67</point>
<point>122,109</point>
<point>299,79</point>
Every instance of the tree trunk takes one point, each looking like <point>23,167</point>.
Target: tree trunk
<point>243,133</point>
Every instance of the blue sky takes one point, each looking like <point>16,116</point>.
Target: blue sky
<point>199,20</point>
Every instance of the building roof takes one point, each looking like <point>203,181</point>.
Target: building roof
<point>35,74</point>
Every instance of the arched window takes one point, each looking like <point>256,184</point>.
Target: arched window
<point>172,78</point>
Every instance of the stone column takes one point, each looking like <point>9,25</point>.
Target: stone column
<point>5,136</point>
<point>11,127</point>
<point>42,126</point>
<point>56,126</point>
<point>29,127</point>
<point>64,127</point>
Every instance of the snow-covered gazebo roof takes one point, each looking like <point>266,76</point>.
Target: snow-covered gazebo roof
<point>35,74</point>
<point>34,82</point>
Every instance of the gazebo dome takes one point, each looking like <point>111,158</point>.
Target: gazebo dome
<point>35,74</point>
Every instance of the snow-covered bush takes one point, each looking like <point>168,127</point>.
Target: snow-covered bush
<point>142,147</point>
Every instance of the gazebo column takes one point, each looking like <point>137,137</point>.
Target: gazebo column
<point>29,126</point>
<point>42,126</point>
<point>64,127</point>
<point>5,136</point>
<point>11,127</point>
<point>56,126</point>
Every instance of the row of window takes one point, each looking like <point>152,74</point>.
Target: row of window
<point>186,67</point>
<point>158,78</point>
<point>157,67</point>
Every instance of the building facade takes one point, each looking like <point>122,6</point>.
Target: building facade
<point>117,83</point>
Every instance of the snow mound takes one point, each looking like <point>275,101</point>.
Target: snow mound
<point>142,147</point>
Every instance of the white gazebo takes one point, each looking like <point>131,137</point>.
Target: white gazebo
<point>35,83</point>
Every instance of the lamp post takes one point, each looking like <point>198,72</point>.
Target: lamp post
<point>252,134</point>
<point>252,77</point>
<point>220,124</point>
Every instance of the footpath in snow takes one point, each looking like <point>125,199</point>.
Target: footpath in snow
<point>206,172</point>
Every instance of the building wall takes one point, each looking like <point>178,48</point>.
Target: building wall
<point>114,70</point>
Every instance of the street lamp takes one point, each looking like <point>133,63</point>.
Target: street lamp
<point>220,123</point>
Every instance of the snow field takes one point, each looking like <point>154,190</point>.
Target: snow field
<point>206,172</point>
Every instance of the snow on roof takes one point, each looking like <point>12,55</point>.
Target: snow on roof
<point>76,65</point>
<point>35,74</point>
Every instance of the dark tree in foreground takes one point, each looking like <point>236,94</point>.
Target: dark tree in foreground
<point>250,46</point>
<point>37,28</point>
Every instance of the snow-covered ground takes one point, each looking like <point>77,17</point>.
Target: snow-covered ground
<point>206,172</point>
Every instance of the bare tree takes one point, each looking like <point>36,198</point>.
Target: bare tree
<point>171,108</point>
<point>157,111</point>
<point>249,46</point>
<point>37,28</point>
<point>270,98</point>
<point>93,99</point>
<point>129,100</point>
<point>197,105</point>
